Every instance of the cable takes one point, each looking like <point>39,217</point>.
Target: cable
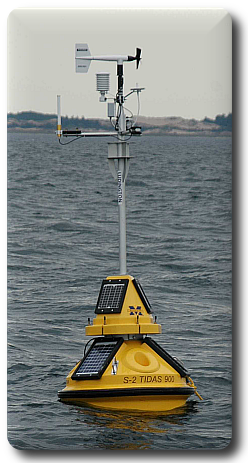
<point>74,139</point>
<point>121,139</point>
<point>124,107</point>
<point>118,137</point>
<point>92,339</point>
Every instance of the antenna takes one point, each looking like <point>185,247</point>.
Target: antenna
<point>124,126</point>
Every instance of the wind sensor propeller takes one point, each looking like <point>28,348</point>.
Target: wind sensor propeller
<point>136,58</point>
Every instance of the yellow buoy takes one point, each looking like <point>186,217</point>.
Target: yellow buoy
<point>124,368</point>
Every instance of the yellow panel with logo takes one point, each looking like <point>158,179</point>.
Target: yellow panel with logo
<point>122,308</point>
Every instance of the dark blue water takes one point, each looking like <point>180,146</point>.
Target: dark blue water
<point>63,240</point>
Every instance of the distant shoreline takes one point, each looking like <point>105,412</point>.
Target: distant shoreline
<point>33,122</point>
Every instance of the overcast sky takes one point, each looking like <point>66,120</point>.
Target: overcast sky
<point>185,67</point>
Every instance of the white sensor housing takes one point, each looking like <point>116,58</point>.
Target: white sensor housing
<point>102,84</point>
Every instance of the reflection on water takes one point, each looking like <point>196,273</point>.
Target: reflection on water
<point>119,425</point>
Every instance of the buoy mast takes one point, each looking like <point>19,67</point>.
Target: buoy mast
<point>118,152</point>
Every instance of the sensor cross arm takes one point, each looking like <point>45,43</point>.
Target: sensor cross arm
<point>106,58</point>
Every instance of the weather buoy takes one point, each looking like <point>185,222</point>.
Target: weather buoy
<point>124,368</point>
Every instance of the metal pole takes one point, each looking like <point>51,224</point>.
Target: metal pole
<point>59,116</point>
<point>122,211</point>
<point>121,176</point>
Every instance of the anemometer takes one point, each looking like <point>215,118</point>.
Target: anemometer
<point>124,127</point>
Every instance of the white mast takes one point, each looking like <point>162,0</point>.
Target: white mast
<point>122,173</point>
<point>119,151</point>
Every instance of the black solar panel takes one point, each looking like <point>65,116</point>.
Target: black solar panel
<point>97,359</point>
<point>142,295</point>
<point>111,296</point>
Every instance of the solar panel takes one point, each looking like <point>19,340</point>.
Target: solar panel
<point>142,295</point>
<point>111,296</point>
<point>97,359</point>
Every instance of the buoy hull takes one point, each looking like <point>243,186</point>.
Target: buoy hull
<point>144,403</point>
<point>136,375</point>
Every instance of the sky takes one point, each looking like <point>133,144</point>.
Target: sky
<point>186,65</point>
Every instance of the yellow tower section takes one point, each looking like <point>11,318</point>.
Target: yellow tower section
<point>122,308</point>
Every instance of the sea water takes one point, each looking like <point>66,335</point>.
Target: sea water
<point>63,241</point>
